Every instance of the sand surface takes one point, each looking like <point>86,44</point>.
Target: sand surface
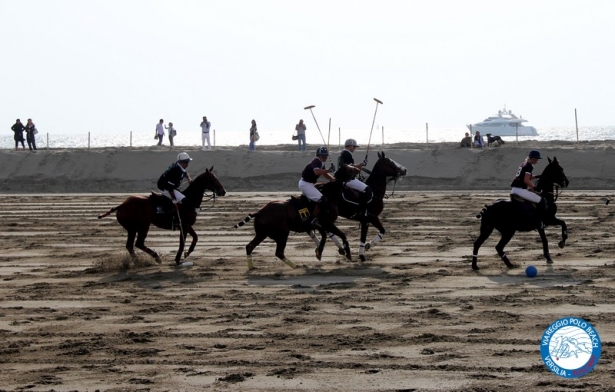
<point>413,317</point>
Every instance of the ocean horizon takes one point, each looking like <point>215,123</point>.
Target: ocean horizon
<point>379,136</point>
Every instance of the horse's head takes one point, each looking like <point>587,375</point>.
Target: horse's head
<point>388,168</point>
<point>209,181</point>
<point>553,174</point>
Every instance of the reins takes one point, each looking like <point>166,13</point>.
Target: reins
<point>207,197</point>
<point>387,181</point>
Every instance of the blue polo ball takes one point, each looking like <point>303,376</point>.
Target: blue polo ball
<point>531,271</point>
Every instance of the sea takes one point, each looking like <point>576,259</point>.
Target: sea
<point>379,136</point>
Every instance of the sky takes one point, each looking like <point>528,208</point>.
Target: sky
<point>115,66</point>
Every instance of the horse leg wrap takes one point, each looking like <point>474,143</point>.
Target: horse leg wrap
<point>250,263</point>
<point>314,238</point>
<point>336,241</point>
<point>289,263</point>
<point>361,248</point>
<point>376,239</point>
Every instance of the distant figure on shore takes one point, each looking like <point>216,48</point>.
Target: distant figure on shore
<point>172,133</point>
<point>478,140</point>
<point>30,132</point>
<point>160,131</point>
<point>18,129</point>
<point>205,127</point>
<point>466,142</point>
<point>300,128</point>
<point>253,136</point>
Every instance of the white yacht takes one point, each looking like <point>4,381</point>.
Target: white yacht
<point>503,124</point>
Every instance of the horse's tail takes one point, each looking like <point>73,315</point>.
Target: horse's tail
<point>111,211</point>
<point>246,220</point>
<point>482,212</point>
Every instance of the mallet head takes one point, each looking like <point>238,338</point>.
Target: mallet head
<point>377,100</point>
<point>309,107</point>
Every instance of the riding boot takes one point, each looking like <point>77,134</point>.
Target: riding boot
<point>365,198</point>
<point>316,214</point>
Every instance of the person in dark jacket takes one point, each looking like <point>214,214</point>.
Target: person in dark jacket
<point>30,135</point>
<point>18,128</point>
<point>309,176</point>
<point>171,179</point>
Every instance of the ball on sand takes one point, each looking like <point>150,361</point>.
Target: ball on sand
<point>531,271</point>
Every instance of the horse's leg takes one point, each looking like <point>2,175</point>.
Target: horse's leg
<point>485,232</point>
<point>130,243</point>
<point>545,244</point>
<point>506,237</point>
<point>140,244</point>
<point>314,237</point>
<point>258,238</point>
<point>559,222</point>
<point>182,243</point>
<point>363,237</point>
<point>381,231</point>
<point>195,239</point>
<point>280,241</point>
<point>333,230</point>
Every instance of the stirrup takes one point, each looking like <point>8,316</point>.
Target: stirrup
<point>315,222</point>
<point>160,210</point>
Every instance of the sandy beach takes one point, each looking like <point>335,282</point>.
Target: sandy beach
<point>413,317</point>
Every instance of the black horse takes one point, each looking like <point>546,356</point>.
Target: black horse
<point>137,213</point>
<point>509,217</point>
<point>385,170</point>
<point>278,218</point>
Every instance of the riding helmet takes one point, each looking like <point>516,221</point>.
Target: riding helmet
<point>351,142</point>
<point>183,157</point>
<point>534,154</point>
<point>322,151</point>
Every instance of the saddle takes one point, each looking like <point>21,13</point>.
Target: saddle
<point>529,212</point>
<point>164,208</point>
<point>303,206</point>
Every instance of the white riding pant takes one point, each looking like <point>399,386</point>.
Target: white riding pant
<point>526,194</point>
<point>356,185</point>
<point>178,195</point>
<point>309,190</point>
<point>206,139</point>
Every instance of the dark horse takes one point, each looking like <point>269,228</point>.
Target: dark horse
<point>509,217</point>
<point>278,218</point>
<point>137,213</point>
<point>385,170</point>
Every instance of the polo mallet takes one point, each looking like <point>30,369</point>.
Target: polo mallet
<point>323,138</point>
<point>373,121</point>
<point>181,228</point>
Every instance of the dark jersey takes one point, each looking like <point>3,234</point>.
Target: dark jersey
<point>172,178</point>
<point>519,180</point>
<point>308,172</point>
<point>345,158</point>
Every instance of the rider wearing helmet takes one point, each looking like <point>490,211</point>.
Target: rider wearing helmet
<point>522,184</point>
<point>171,179</point>
<point>309,176</point>
<point>365,193</point>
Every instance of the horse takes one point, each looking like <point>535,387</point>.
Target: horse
<point>137,213</point>
<point>278,218</point>
<point>385,170</point>
<point>509,217</point>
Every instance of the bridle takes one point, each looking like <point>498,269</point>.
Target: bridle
<point>388,180</point>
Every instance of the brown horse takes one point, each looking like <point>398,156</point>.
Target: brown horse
<point>278,218</point>
<point>385,170</point>
<point>137,213</point>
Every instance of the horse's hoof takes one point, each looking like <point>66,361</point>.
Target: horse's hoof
<point>318,254</point>
<point>341,251</point>
<point>561,244</point>
<point>549,261</point>
<point>475,267</point>
<point>158,260</point>
<point>367,246</point>
<point>362,257</point>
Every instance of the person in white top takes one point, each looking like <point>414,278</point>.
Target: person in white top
<point>160,131</point>
<point>205,126</point>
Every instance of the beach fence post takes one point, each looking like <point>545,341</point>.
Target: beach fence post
<point>130,138</point>
<point>88,140</point>
<point>339,137</point>
<point>516,134</point>
<point>214,139</point>
<point>576,124</point>
<point>383,135</point>
<point>427,133</point>
<point>48,140</point>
